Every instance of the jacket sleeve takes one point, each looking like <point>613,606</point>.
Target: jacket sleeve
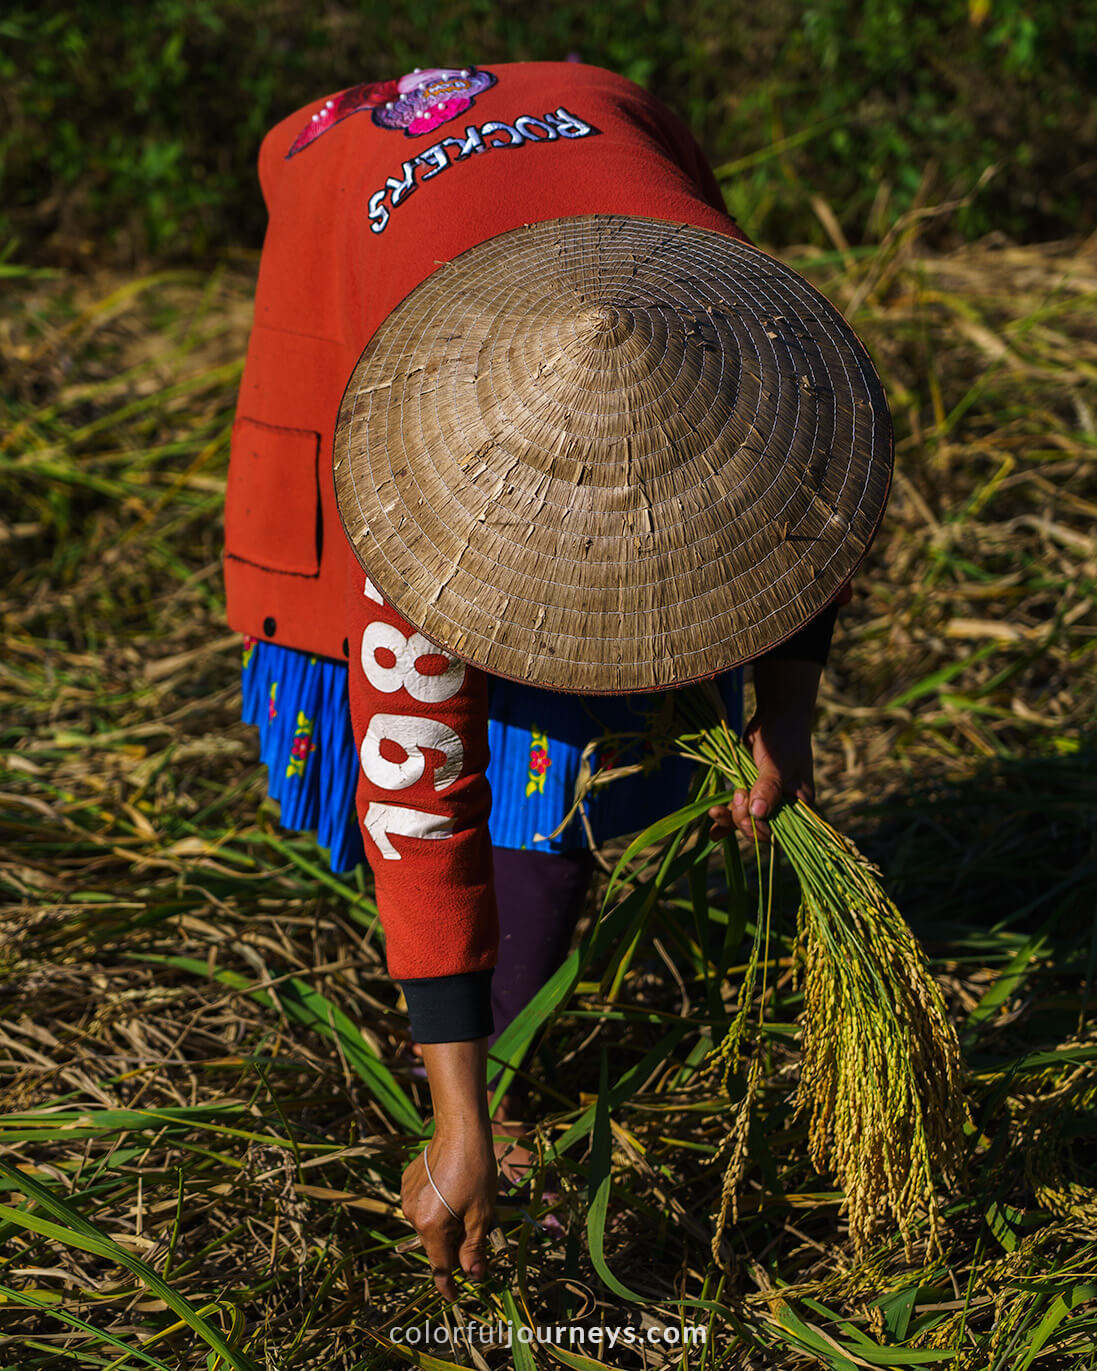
<point>420,729</point>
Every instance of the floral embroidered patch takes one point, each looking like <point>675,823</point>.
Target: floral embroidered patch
<point>417,103</point>
<point>539,762</point>
<point>303,747</point>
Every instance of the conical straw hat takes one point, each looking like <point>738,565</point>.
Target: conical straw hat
<point>607,454</point>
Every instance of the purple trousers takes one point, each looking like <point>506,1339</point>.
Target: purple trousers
<point>540,897</point>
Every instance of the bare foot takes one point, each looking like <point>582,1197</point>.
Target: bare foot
<point>515,1159</point>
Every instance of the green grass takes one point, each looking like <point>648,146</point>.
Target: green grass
<point>206,1098</point>
<point>133,130</point>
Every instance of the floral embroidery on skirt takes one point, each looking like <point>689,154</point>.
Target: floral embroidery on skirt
<point>536,738</point>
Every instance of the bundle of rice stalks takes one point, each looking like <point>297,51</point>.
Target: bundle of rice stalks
<point>881,1073</point>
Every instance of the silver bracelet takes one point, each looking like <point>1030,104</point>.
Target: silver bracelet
<point>435,1188</point>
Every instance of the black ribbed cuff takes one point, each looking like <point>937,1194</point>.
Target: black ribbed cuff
<point>811,643</point>
<point>450,1009</point>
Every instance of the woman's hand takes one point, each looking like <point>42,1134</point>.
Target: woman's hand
<point>779,737</point>
<point>462,1164</point>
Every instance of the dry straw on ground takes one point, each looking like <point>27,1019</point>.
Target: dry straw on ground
<point>200,1054</point>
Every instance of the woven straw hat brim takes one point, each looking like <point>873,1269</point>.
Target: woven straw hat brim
<point>608,454</point>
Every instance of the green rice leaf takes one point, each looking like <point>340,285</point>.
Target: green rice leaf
<point>663,828</point>
<point>26,1299</point>
<point>520,1351</point>
<point>1062,1306</point>
<point>814,1340</point>
<point>1007,983</point>
<point>621,1090</point>
<point>76,1231</point>
<point>599,1189</point>
<point>929,684</point>
<point>897,1309</point>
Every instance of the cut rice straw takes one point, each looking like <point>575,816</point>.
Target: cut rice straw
<point>881,1069</point>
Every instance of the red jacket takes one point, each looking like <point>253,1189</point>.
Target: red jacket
<point>362,208</point>
<point>359,214</point>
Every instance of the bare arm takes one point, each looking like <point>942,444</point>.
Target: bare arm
<point>779,736</point>
<point>462,1164</point>
<point>420,729</point>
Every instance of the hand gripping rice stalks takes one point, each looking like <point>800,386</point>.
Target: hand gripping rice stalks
<point>880,1079</point>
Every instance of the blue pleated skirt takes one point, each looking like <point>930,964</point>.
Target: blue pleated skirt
<point>536,739</point>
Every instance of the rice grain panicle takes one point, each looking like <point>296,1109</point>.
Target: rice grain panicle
<point>881,1073</point>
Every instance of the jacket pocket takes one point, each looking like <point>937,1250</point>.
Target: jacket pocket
<point>272,502</point>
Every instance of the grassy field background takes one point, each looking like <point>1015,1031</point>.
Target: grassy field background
<point>206,1097</point>
<point>132,130</point>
